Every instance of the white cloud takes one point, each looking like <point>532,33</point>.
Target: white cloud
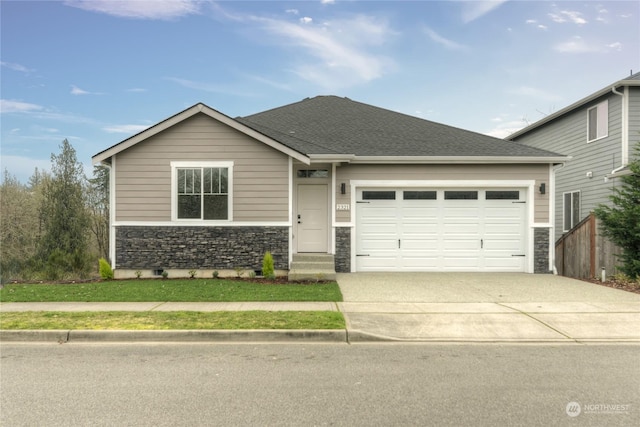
<point>535,22</point>
<point>75,90</point>
<point>128,129</point>
<point>10,106</point>
<point>568,16</point>
<point>534,93</point>
<point>504,129</point>
<point>617,46</point>
<point>476,9</point>
<point>449,44</point>
<point>577,45</point>
<point>306,20</point>
<point>16,67</point>
<point>136,90</point>
<point>337,53</point>
<point>140,9</point>
<point>292,11</point>
<point>211,87</point>
<point>327,1</point>
<point>575,17</point>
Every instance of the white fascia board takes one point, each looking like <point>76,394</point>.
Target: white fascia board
<point>457,160</point>
<point>190,112</point>
<point>331,158</point>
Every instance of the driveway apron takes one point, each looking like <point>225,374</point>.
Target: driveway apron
<point>510,307</point>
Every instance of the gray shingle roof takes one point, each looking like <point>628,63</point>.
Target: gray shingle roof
<point>334,125</point>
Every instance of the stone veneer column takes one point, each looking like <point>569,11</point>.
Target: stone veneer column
<point>343,249</point>
<point>541,250</point>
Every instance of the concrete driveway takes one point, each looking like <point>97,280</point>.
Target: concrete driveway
<point>486,307</point>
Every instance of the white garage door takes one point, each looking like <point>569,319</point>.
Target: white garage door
<point>440,230</point>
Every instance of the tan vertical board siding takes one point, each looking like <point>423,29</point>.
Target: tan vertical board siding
<point>567,135</point>
<point>143,172</point>
<point>539,173</point>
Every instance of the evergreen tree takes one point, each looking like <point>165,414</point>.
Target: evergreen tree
<point>63,246</point>
<point>621,221</point>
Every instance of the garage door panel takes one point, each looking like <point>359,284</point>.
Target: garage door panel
<point>504,246</point>
<point>460,263</point>
<point>378,263</point>
<point>460,229</point>
<point>421,263</point>
<point>434,234</point>
<point>463,212</point>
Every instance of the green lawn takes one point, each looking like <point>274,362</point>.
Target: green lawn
<point>193,290</point>
<point>124,320</point>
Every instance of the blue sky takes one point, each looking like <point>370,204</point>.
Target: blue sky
<point>96,72</point>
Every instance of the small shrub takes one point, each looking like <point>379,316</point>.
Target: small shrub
<point>165,274</point>
<point>138,274</point>
<point>252,275</point>
<point>193,274</point>
<point>215,274</point>
<point>267,266</point>
<point>238,271</point>
<point>105,269</point>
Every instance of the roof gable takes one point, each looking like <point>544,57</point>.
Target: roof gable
<point>186,114</point>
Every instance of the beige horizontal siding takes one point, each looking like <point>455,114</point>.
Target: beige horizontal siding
<point>539,173</point>
<point>143,172</point>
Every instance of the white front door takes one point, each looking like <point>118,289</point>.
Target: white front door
<point>312,218</point>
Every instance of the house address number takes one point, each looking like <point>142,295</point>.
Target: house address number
<point>344,207</point>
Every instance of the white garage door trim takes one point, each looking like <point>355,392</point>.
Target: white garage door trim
<point>526,186</point>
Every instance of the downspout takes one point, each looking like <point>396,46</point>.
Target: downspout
<point>552,209</point>
<point>624,130</point>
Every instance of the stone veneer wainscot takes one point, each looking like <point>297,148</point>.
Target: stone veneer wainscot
<point>195,247</point>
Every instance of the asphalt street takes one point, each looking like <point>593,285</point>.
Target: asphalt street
<point>193,384</point>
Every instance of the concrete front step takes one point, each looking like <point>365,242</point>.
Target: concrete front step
<point>311,275</point>
<point>328,258</point>
<point>312,267</point>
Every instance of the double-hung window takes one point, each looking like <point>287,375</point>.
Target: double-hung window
<point>571,210</point>
<point>201,191</point>
<point>598,121</point>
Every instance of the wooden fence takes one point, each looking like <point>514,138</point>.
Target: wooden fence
<point>583,251</point>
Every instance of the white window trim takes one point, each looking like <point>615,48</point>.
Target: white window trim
<point>174,190</point>
<point>564,210</point>
<point>602,120</point>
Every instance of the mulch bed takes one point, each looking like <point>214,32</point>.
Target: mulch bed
<point>618,284</point>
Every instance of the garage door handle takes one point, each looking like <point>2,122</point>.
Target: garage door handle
<point>398,243</point>
<point>481,243</point>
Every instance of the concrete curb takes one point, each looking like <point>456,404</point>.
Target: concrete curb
<point>252,335</point>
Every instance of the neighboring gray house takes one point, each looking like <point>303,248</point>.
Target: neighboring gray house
<point>599,133</point>
<point>379,190</point>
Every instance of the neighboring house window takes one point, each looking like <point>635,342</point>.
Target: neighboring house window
<point>571,210</point>
<point>201,191</point>
<point>598,119</point>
